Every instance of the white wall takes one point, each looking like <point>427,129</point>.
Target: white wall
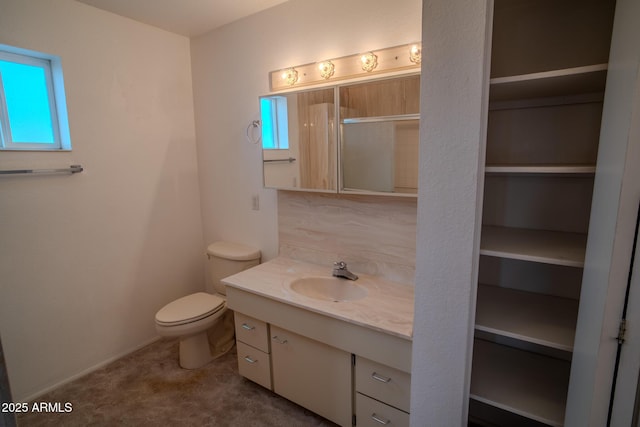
<point>87,260</point>
<point>230,70</point>
<point>452,145</point>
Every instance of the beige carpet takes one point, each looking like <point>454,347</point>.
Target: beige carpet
<point>148,388</point>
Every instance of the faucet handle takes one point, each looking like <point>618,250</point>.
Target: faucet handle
<point>340,265</point>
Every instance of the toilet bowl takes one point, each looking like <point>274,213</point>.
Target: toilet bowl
<point>201,320</point>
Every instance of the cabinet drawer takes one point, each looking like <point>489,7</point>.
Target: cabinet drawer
<point>254,364</point>
<point>383,383</point>
<point>252,331</point>
<point>371,413</point>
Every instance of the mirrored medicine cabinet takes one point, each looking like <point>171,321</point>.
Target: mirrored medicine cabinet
<point>358,138</point>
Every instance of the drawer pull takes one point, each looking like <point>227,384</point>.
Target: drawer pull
<point>278,340</point>
<point>247,327</point>
<point>379,419</point>
<point>380,378</point>
<point>249,359</point>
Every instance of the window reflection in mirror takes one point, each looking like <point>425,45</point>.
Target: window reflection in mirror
<point>275,124</point>
<point>299,140</point>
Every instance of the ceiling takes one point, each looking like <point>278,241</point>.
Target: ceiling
<point>187,17</point>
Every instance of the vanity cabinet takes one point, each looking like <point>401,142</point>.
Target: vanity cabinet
<point>548,73</point>
<point>312,374</point>
<point>305,371</point>
<point>342,371</point>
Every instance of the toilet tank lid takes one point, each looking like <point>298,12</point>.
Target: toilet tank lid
<point>233,251</point>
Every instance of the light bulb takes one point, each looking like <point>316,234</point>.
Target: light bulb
<point>369,61</point>
<point>290,75</point>
<point>415,54</point>
<point>326,69</point>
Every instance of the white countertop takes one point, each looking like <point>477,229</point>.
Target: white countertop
<point>388,306</point>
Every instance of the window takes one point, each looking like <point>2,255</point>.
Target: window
<point>275,126</point>
<point>33,112</point>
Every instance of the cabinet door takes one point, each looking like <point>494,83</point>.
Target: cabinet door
<point>312,374</point>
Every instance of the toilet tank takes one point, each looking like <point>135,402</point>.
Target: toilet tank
<point>227,258</point>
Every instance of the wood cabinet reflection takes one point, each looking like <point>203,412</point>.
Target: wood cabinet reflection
<point>379,137</point>
<point>299,140</point>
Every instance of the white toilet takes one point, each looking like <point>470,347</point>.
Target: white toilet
<point>201,320</point>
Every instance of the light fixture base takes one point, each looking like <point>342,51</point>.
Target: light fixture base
<point>388,60</point>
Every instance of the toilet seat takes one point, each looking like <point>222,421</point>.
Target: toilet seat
<point>190,308</point>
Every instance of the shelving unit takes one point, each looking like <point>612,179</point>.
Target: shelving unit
<point>545,105</point>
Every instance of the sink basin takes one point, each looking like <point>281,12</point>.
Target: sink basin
<point>328,288</point>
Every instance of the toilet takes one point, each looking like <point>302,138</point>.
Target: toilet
<point>201,320</point>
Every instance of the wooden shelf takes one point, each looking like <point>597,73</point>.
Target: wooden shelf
<point>521,382</point>
<point>541,169</point>
<point>397,118</point>
<point>540,319</point>
<point>550,247</point>
<point>549,84</point>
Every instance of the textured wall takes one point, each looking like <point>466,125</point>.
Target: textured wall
<point>455,78</point>
<point>373,235</point>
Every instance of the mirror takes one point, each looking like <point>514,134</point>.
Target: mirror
<point>380,156</point>
<point>379,138</point>
<point>299,149</point>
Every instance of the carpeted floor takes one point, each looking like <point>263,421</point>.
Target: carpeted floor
<point>148,388</point>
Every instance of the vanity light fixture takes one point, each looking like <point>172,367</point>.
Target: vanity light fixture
<point>415,53</point>
<point>327,69</point>
<point>290,76</point>
<point>369,61</point>
<point>388,60</point>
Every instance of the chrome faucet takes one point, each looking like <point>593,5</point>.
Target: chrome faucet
<point>340,270</point>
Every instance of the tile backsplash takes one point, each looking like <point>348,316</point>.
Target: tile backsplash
<point>374,235</point>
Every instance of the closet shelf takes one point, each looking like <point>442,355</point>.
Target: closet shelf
<point>588,170</point>
<point>550,247</point>
<point>528,384</point>
<point>549,84</point>
<point>540,319</point>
